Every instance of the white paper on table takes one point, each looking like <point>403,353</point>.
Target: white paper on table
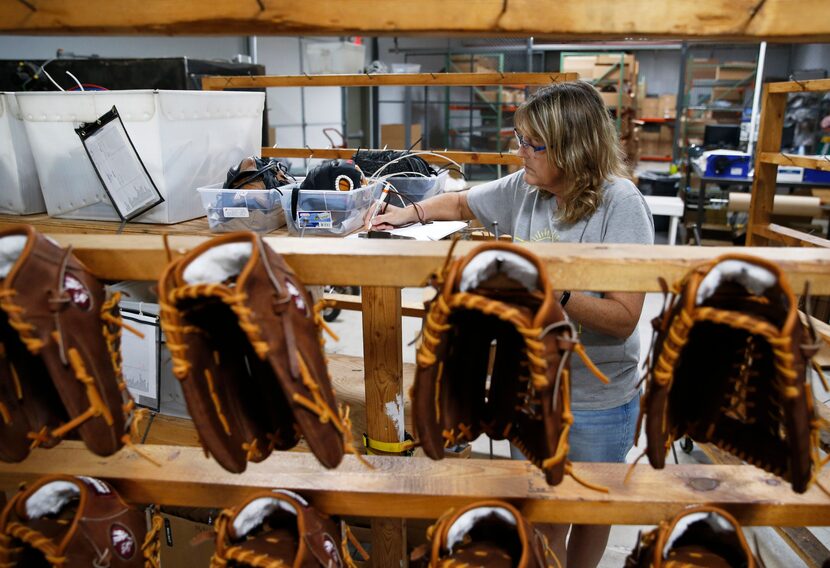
<point>434,231</point>
<point>139,356</point>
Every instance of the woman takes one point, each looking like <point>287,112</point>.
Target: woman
<point>572,190</point>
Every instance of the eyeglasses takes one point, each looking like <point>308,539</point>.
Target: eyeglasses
<point>522,144</point>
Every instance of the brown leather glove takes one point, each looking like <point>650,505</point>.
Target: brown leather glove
<point>60,344</point>
<point>729,367</point>
<point>704,537</point>
<point>75,522</point>
<point>246,346</point>
<point>498,294</point>
<point>278,528</point>
<point>490,534</point>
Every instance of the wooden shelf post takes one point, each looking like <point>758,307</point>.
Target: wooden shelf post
<point>383,370</point>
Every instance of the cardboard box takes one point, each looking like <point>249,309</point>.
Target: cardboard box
<point>612,73</point>
<point>667,106</point>
<point>703,69</point>
<point>474,64</point>
<point>612,100</point>
<point>393,136</point>
<point>176,542</point>
<point>649,107</point>
<point>735,95</point>
<point>627,59</point>
<point>735,71</point>
<point>581,64</point>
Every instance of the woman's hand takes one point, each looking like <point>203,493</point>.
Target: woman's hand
<point>391,217</point>
<point>444,207</point>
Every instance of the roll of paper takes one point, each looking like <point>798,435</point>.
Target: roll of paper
<point>798,205</point>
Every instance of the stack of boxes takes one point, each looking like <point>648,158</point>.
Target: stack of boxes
<point>503,101</point>
<point>726,84</point>
<point>486,64</point>
<point>615,75</point>
<point>653,138</point>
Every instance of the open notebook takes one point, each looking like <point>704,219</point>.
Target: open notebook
<point>434,231</point>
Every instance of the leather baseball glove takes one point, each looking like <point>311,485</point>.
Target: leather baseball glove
<point>498,301</point>
<point>728,367</point>
<point>75,522</point>
<point>246,345</point>
<point>60,360</point>
<point>279,528</point>
<point>704,537</point>
<point>490,534</point>
<point>258,173</point>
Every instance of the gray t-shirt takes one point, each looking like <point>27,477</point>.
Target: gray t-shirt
<point>529,214</point>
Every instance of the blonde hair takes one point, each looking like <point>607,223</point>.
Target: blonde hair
<point>571,120</point>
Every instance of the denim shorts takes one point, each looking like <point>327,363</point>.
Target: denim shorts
<point>600,435</point>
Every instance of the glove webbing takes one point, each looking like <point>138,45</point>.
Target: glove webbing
<point>36,540</point>
<point>151,548</point>
<point>24,329</point>
<point>324,412</point>
<point>678,336</point>
<point>436,322</point>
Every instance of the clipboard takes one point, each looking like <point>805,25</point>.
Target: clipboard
<point>118,166</point>
<point>140,359</point>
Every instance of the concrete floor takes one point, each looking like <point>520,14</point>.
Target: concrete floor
<point>774,551</point>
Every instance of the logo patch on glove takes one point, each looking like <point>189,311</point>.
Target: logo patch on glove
<point>331,550</point>
<point>298,298</point>
<point>78,293</point>
<point>123,542</point>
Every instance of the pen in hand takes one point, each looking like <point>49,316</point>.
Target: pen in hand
<point>378,206</point>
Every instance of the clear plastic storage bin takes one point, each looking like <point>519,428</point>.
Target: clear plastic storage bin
<point>328,213</point>
<point>334,57</point>
<point>258,210</point>
<point>418,188</point>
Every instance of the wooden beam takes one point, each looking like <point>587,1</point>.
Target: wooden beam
<point>782,159</point>
<point>369,262</point>
<point>800,86</point>
<point>422,488</point>
<point>775,20</point>
<point>763,186</point>
<point>790,237</point>
<point>218,83</point>
<point>802,542</point>
<point>347,302</point>
<point>384,403</point>
<point>504,158</point>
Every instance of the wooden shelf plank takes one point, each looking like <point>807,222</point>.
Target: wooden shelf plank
<point>799,86</point>
<point>504,158</point>
<point>790,237</point>
<point>385,79</point>
<point>422,488</point>
<point>774,20</point>
<point>362,262</point>
<point>349,302</point>
<point>794,160</point>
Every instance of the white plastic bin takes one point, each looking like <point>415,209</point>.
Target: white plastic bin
<point>328,213</point>
<point>229,210</point>
<point>334,57</point>
<point>186,139</point>
<point>19,186</point>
